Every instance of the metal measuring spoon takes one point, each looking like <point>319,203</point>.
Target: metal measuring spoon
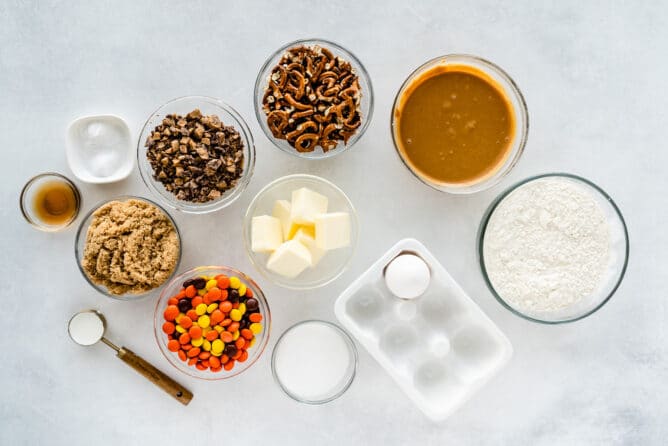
<point>88,327</point>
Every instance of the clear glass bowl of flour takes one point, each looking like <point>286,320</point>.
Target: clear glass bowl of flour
<point>553,248</point>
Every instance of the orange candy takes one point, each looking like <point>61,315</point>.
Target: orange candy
<point>255,317</point>
<point>195,332</point>
<point>249,293</point>
<point>192,314</point>
<point>172,301</point>
<point>246,333</point>
<point>240,342</point>
<point>173,345</point>
<point>171,312</point>
<point>229,365</point>
<point>216,369</point>
<point>193,352</point>
<point>184,338</point>
<point>214,294</point>
<point>182,355</point>
<point>226,336</point>
<point>223,282</point>
<point>197,300</point>
<point>191,291</point>
<point>234,326</point>
<point>226,322</point>
<point>211,335</point>
<point>192,361</point>
<point>244,356</point>
<point>200,366</point>
<point>225,307</point>
<point>214,362</point>
<point>205,355</point>
<point>168,327</point>
<point>216,316</point>
<point>185,322</point>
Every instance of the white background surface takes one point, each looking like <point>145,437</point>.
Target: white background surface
<point>593,74</point>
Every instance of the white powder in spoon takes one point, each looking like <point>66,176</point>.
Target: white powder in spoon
<point>86,328</point>
<point>547,245</point>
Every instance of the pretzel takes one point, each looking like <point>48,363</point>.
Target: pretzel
<point>312,99</point>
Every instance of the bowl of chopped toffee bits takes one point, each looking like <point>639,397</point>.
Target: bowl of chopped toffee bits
<point>196,154</point>
<point>313,99</point>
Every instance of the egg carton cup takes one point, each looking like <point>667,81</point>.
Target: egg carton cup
<point>440,348</point>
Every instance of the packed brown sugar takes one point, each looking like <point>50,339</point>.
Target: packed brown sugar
<point>454,125</point>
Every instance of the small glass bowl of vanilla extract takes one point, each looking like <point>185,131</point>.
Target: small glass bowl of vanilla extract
<point>50,202</point>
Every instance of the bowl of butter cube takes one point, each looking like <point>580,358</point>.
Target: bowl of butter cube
<point>300,231</point>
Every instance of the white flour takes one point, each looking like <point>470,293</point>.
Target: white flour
<point>547,245</point>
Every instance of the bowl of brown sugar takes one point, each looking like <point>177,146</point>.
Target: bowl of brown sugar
<point>127,247</point>
<point>459,123</point>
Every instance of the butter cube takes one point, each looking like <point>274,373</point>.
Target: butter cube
<point>282,212</point>
<point>266,233</point>
<point>290,259</point>
<point>332,230</point>
<point>306,236</point>
<point>306,204</point>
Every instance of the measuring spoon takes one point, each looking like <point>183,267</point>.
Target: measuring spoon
<point>88,327</point>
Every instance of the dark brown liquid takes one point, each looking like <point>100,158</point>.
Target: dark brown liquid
<point>455,125</point>
<point>55,203</point>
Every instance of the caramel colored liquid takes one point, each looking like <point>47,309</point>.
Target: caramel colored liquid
<point>455,125</point>
<point>55,203</point>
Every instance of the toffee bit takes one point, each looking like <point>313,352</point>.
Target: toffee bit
<point>197,161</point>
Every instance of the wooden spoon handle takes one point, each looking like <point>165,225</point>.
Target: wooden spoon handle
<point>154,375</point>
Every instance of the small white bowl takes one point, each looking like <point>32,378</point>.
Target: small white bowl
<point>103,140</point>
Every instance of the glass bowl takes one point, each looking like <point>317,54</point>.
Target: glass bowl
<point>29,192</point>
<point>283,378</point>
<point>518,105</point>
<point>80,243</point>
<point>334,263</point>
<point>175,286</point>
<point>619,256</point>
<point>208,106</point>
<point>366,105</point>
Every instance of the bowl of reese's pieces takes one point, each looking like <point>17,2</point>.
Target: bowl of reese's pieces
<point>196,154</point>
<point>212,322</point>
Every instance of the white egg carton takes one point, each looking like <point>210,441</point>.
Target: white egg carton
<point>440,348</point>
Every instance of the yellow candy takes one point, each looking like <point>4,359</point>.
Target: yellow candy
<point>211,283</point>
<point>218,328</point>
<point>204,321</point>
<point>201,292</point>
<point>180,329</point>
<point>235,315</point>
<point>178,318</point>
<point>217,346</point>
<point>235,335</point>
<point>197,342</point>
<point>242,290</point>
<point>235,282</point>
<point>255,327</point>
<point>200,309</point>
<point>206,346</point>
<point>216,353</point>
<point>252,342</point>
<point>205,330</point>
<point>211,308</point>
<point>242,307</point>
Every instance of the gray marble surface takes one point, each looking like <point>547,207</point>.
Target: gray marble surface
<point>593,74</point>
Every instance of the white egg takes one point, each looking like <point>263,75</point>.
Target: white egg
<point>407,276</point>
